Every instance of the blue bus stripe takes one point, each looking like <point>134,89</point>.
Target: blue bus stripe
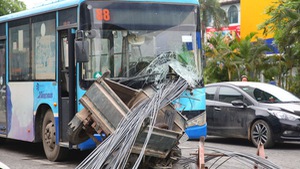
<point>72,3</point>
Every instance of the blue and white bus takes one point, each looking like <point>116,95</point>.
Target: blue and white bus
<point>42,80</point>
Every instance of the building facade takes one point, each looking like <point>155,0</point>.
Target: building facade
<point>244,17</point>
<point>252,15</point>
<point>233,13</point>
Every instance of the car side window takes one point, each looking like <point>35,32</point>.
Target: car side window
<point>210,93</point>
<point>265,97</point>
<point>227,94</point>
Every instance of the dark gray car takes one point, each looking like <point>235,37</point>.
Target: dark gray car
<point>260,112</point>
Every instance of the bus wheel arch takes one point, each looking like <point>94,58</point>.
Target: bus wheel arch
<point>48,135</point>
<point>40,114</point>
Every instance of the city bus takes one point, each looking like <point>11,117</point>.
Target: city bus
<point>46,66</point>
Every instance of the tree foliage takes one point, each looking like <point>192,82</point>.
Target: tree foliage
<point>284,23</point>
<point>252,51</point>
<point>11,6</point>
<point>248,54</point>
<point>228,59</point>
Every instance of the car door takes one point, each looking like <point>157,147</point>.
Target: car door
<point>210,94</point>
<point>230,120</point>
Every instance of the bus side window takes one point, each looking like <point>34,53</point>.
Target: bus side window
<point>43,47</point>
<point>19,64</point>
<point>67,16</point>
<point>2,64</point>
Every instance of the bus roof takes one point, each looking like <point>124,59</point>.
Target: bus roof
<point>40,10</point>
<point>72,3</point>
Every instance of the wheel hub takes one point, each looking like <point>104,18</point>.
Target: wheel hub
<point>50,135</point>
<point>260,134</point>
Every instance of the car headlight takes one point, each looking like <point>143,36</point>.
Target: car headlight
<point>284,115</point>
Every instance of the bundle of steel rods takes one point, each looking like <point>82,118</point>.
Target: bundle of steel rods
<point>115,150</point>
<point>220,158</point>
<point>247,160</point>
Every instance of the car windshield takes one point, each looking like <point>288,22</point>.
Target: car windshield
<point>270,94</point>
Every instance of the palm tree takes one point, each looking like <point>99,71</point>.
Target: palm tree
<point>235,57</point>
<point>211,8</point>
<point>221,55</point>
<point>252,52</point>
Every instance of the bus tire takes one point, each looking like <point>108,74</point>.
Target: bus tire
<point>52,150</point>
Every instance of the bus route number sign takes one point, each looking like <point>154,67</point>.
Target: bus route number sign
<point>102,14</point>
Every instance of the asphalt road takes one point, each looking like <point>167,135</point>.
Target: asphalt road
<point>19,155</point>
<point>284,155</point>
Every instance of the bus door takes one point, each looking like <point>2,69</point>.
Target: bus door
<point>2,88</point>
<point>67,81</point>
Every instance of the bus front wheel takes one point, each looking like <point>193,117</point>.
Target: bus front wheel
<point>53,151</point>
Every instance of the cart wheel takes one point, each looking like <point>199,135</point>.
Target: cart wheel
<point>53,151</point>
<point>76,133</point>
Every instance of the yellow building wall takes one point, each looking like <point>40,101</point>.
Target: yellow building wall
<point>253,14</point>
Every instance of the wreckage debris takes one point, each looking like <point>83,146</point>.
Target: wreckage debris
<point>115,150</point>
<point>137,116</point>
<point>142,126</point>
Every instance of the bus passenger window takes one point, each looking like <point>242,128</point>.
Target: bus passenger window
<point>43,44</point>
<point>2,58</point>
<point>19,64</point>
<point>67,16</point>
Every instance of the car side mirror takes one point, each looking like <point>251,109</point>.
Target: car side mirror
<point>239,103</point>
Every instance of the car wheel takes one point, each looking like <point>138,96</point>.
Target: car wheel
<point>53,151</point>
<point>261,132</point>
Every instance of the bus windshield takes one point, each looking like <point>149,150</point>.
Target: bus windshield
<point>126,37</point>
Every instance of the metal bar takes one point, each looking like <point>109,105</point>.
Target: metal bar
<point>201,153</point>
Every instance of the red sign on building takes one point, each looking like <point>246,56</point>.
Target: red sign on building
<point>231,31</point>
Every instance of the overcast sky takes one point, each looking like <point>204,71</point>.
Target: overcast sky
<point>35,3</point>
<point>32,3</point>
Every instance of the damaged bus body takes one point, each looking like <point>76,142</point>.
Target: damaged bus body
<point>55,54</point>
